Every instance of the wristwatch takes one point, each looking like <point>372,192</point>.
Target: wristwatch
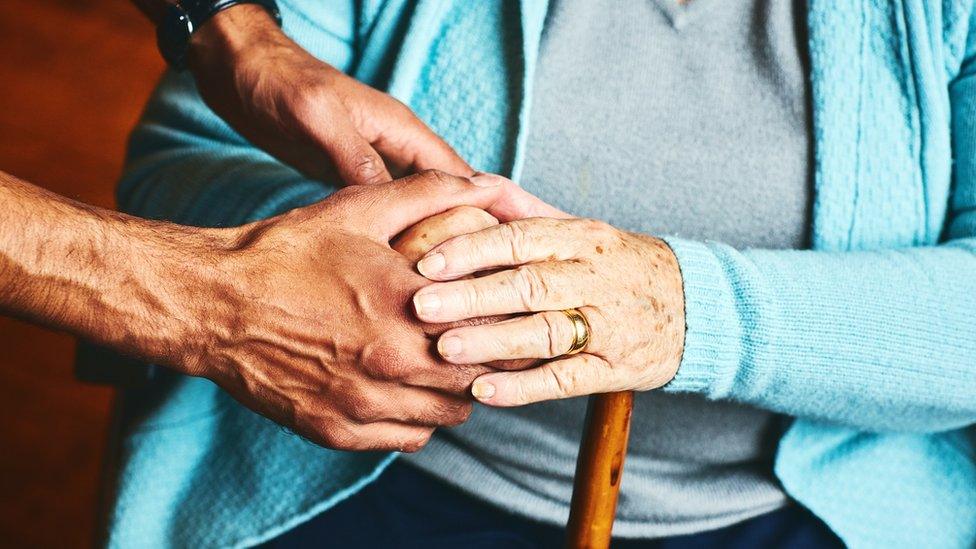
<point>184,17</point>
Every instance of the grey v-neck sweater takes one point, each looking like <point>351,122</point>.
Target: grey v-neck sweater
<point>663,119</point>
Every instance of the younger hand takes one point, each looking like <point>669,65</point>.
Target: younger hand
<point>311,326</point>
<point>305,112</point>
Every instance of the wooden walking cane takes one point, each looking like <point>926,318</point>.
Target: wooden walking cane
<point>599,468</point>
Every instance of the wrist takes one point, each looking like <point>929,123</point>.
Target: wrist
<point>151,290</point>
<point>227,37</point>
<point>182,294</point>
<point>667,286</point>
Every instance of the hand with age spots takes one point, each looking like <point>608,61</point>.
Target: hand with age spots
<point>627,285</point>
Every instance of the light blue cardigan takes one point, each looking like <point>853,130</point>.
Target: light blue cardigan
<point>870,337</point>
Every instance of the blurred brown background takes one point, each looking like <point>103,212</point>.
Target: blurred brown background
<point>73,77</point>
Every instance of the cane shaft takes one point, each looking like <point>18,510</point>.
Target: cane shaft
<point>599,468</point>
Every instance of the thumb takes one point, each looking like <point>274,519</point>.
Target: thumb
<point>515,202</point>
<point>393,207</point>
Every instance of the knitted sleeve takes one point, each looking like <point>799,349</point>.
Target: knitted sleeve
<point>877,340</point>
<point>881,340</point>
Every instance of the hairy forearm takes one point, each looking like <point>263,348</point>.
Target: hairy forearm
<point>140,287</point>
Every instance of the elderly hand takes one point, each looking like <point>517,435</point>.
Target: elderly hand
<point>627,286</point>
<point>305,112</point>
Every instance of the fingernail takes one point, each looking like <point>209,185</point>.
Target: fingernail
<point>482,390</point>
<point>432,264</point>
<point>449,346</point>
<point>486,180</point>
<point>427,303</point>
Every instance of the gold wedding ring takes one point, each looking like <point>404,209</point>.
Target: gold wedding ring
<point>581,331</point>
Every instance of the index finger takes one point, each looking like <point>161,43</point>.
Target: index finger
<point>506,245</point>
<point>387,209</point>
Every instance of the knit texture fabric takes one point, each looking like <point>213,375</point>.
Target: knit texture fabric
<point>869,338</point>
<point>649,150</point>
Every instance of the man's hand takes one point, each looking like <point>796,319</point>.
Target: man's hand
<point>333,350</point>
<point>303,317</point>
<point>305,112</point>
<point>313,327</point>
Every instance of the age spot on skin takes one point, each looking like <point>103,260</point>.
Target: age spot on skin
<point>599,249</point>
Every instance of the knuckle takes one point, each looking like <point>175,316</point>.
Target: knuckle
<point>349,201</point>
<point>351,193</point>
<point>451,413</point>
<point>394,104</point>
<point>532,287</point>
<point>340,437</point>
<point>387,363</point>
<point>457,382</point>
<point>438,181</point>
<point>416,444</point>
<point>435,178</point>
<point>604,334</point>
<point>597,229</point>
<point>360,408</point>
<point>552,331</point>
<point>522,394</point>
<point>474,298</point>
<point>515,237</point>
<point>367,166</point>
<point>564,381</point>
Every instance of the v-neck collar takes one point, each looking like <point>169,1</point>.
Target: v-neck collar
<point>681,15</point>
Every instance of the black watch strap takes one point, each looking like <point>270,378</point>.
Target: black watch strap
<point>186,16</point>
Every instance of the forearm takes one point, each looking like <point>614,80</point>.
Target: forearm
<point>137,286</point>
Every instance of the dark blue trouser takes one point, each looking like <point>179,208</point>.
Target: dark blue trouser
<point>410,509</point>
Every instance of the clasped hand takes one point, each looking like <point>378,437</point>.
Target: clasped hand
<point>320,335</point>
<point>627,286</point>
<point>311,323</point>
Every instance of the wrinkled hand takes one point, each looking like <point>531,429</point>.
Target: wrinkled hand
<point>313,327</point>
<point>305,112</point>
<point>627,285</point>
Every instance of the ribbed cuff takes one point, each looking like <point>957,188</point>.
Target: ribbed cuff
<point>713,332</point>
